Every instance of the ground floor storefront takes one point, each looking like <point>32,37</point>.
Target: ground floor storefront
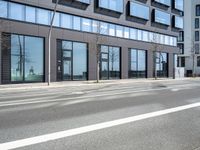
<point>24,57</point>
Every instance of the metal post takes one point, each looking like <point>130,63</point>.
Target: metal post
<point>49,42</point>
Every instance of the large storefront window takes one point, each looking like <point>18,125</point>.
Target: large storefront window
<point>27,59</point>
<point>74,60</point>
<point>110,62</point>
<point>137,64</point>
<point>161,64</point>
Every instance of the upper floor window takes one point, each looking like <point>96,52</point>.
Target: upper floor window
<point>196,35</point>
<point>162,17</point>
<point>164,2</point>
<point>139,10</point>
<point>114,5</point>
<point>198,61</point>
<point>196,23</point>
<point>181,36</point>
<point>84,1</point>
<point>16,11</point>
<point>197,10</point>
<point>196,47</point>
<point>178,22</point>
<point>178,4</point>
<point>3,9</point>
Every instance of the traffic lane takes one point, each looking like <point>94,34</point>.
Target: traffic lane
<point>23,122</point>
<point>176,131</point>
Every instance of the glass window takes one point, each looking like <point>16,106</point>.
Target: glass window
<point>27,59</point>
<point>145,36</point>
<point>114,63</point>
<point>95,26</point>
<point>139,10</point>
<point>179,22</point>
<point>3,9</point>
<point>162,39</point>
<point>17,57</point>
<point>104,49</point>
<point>162,17</point>
<point>197,10</point>
<point>196,35</point>
<point>178,4</point>
<point>126,33</point>
<point>16,11</point>
<point>133,34</point>
<point>164,2</point>
<point>196,23</point>
<point>30,14</point>
<point>196,47</point>
<point>66,45</point>
<point>119,31</point>
<point>76,23</point>
<point>84,1</point>
<point>104,28</point>
<point>151,37</point>
<point>115,5</point>
<point>79,61</point>
<point>43,16</point>
<point>34,59</point>
<point>110,62</point>
<point>66,21</point>
<point>111,29</point>
<point>198,61</point>
<point>139,35</point>
<point>181,36</point>
<point>86,25</point>
<point>181,48</point>
<point>161,64</point>
<point>56,21</point>
<point>137,64</point>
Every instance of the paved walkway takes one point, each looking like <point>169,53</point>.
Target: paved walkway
<point>83,83</point>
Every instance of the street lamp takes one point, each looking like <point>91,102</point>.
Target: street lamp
<point>49,42</point>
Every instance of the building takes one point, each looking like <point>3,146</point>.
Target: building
<point>188,40</point>
<point>133,37</point>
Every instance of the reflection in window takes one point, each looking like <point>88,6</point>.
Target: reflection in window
<point>79,61</point>
<point>161,64</point>
<point>76,23</point>
<point>56,21</point>
<point>164,2</point>
<point>74,55</point>
<point>119,31</point>
<point>126,32</point>
<point>27,59</point>
<point>66,21</point>
<point>34,59</point>
<point>30,14</point>
<point>86,25</point>
<point>43,16</point>
<point>137,64</point>
<point>16,11</point>
<point>111,29</point>
<point>3,9</point>
<point>178,4</point>
<point>162,17</point>
<point>110,62</point>
<point>104,28</point>
<point>115,5</point>
<point>178,22</point>
<point>139,10</point>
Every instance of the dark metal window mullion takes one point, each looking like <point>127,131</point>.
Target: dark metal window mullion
<point>23,49</point>
<point>72,62</point>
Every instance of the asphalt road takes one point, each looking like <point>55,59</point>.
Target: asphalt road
<point>133,116</point>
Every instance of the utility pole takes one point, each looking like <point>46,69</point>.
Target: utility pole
<point>49,41</point>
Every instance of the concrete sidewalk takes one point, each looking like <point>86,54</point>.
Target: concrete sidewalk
<point>83,83</point>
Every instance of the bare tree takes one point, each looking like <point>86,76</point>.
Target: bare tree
<point>98,40</point>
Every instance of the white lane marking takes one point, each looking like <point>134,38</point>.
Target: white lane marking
<point>95,127</point>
